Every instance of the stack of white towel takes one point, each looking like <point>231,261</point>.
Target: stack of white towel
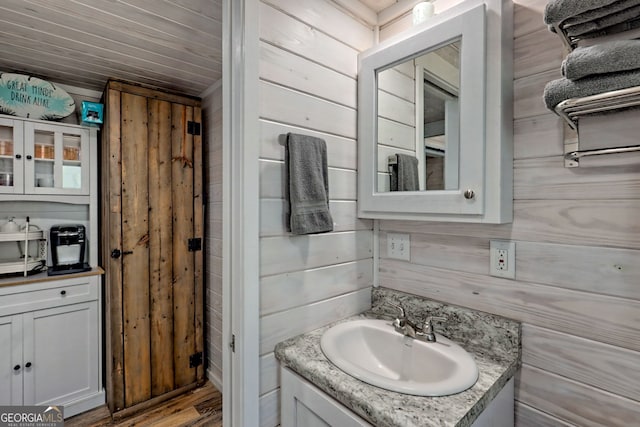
<point>602,67</point>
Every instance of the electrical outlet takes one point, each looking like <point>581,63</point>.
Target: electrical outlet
<point>502,258</point>
<point>399,246</point>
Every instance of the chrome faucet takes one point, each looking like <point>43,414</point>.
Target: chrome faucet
<point>402,324</point>
<point>407,328</point>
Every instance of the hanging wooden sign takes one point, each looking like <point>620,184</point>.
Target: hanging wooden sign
<point>26,96</point>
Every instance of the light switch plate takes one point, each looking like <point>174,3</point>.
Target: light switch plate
<point>399,246</point>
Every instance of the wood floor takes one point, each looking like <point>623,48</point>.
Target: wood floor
<point>199,407</point>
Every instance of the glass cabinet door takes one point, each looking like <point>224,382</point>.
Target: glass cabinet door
<point>11,160</point>
<point>57,160</point>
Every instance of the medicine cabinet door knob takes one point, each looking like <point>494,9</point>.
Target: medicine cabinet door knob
<point>469,194</point>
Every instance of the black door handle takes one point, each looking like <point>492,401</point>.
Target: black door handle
<point>115,253</point>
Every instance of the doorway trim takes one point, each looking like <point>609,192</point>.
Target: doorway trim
<point>241,217</point>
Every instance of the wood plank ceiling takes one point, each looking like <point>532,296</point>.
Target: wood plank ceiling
<point>169,44</point>
<point>378,5</point>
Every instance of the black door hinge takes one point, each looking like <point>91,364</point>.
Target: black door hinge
<point>195,244</point>
<point>193,128</point>
<point>232,344</point>
<point>195,360</point>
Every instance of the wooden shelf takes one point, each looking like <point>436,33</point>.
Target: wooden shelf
<point>19,236</point>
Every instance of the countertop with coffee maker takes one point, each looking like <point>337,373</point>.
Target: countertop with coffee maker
<point>67,249</point>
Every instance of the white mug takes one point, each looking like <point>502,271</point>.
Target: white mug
<point>421,12</point>
<point>45,182</point>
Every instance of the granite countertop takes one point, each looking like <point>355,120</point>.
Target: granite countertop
<point>494,343</point>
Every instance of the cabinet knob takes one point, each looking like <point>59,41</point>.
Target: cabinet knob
<point>16,368</point>
<point>469,194</point>
<point>63,293</point>
<point>18,156</point>
<point>27,365</point>
<point>29,157</point>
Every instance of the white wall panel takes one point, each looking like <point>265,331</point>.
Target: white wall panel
<point>308,86</point>
<point>577,250</point>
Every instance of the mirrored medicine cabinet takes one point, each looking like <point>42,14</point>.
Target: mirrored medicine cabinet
<point>435,119</point>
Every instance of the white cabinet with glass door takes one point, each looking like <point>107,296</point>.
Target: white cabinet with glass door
<point>44,158</point>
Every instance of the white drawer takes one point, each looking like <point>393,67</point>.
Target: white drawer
<point>46,295</point>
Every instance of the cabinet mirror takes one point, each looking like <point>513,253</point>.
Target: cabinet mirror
<point>424,123</point>
<point>419,98</point>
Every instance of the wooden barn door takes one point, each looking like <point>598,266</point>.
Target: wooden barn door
<point>153,222</point>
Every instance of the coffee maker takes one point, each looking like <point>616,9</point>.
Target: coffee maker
<point>68,243</point>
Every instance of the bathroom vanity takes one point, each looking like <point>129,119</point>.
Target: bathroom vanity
<point>316,392</point>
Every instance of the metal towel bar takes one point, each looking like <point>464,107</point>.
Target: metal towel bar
<point>577,155</point>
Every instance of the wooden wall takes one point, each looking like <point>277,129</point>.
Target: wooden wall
<point>308,66</point>
<point>577,234</point>
<point>212,119</point>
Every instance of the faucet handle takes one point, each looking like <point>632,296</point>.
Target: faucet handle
<point>428,323</point>
<point>397,307</point>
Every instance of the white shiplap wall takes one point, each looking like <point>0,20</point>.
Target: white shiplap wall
<point>577,259</point>
<point>212,119</point>
<point>308,66</point>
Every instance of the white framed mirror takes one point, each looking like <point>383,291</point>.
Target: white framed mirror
<point>432,116</point>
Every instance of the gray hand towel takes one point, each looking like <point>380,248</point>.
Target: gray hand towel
<point>594,14</point>
<point>590,23</point>
<point>308,184</point>
<point>404,175</point>
<point>557,11</point>
<point>559,90</point>
<point>604,58</point>
<point>613,29</point>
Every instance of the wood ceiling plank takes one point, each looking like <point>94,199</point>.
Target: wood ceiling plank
<point>86,70</point>
<point>94,46</point>
<point>169,44</point>
<point>209,8</point>
<point>121,29</point>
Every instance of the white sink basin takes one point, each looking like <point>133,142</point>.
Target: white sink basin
<point>372,351</point>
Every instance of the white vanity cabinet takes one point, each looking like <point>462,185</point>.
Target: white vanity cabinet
<point>50,337</point>
<point>304,405</point>
<point>44,158</point>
